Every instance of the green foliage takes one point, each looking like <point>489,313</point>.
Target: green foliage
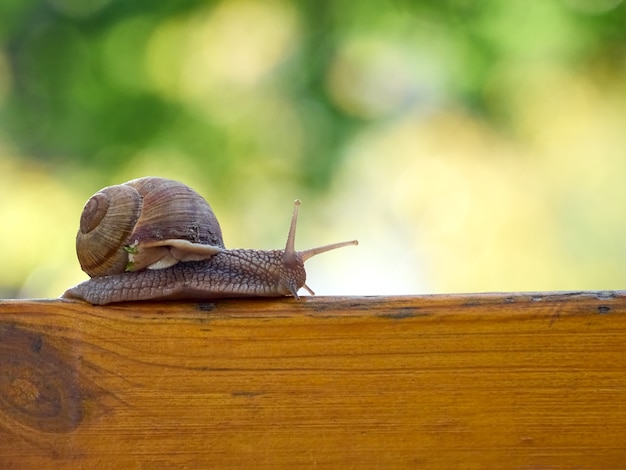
<point>81,88</point>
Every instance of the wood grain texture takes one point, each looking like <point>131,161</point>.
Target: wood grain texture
<point>460,381</point>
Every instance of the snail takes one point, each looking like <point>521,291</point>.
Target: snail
<point>157,239</point>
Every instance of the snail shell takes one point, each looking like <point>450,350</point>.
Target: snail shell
<point>145,223</point>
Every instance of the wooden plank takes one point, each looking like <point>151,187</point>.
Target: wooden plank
<point>465,381</point>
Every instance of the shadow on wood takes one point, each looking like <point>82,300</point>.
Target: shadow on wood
<point>471,381</point>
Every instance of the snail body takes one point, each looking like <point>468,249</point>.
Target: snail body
<point>157,239</point>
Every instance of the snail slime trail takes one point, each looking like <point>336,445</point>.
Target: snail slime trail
<point>157,239</point>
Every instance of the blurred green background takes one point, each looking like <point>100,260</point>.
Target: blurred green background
<point>469,146</point>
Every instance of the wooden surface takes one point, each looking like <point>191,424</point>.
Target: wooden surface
<point>468,381</point>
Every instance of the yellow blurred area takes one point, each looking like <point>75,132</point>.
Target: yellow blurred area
<point>38,213</point>
<point>441,198</point>
<point>481,212</point>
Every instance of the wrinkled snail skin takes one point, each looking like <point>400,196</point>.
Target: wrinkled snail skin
<point>231,274</point>
<point>157,239</point>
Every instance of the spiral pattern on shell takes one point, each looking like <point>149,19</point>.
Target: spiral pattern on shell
<point>146,212</point>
